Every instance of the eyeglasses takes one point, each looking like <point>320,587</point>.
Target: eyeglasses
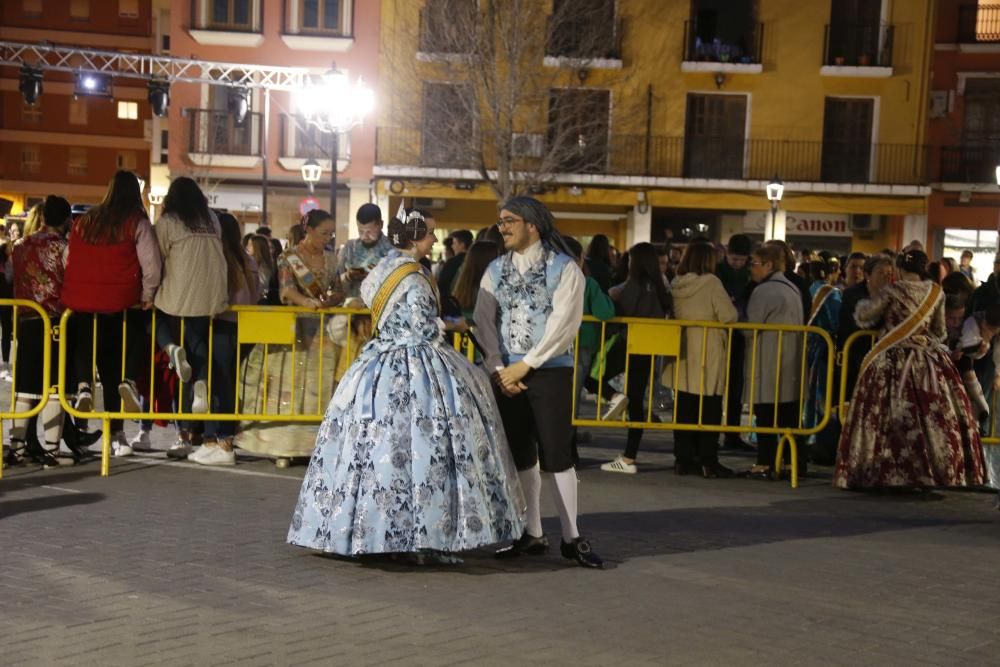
<point>756,262</point>
<point>508,221</point>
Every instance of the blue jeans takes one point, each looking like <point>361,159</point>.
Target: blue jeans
<point>168,329</point>
<point>225,370</point>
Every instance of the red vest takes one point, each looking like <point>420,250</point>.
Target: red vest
<point>102,278</point>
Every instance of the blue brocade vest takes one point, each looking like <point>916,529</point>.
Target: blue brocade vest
<point>524,303</point>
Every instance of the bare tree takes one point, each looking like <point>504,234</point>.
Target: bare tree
<point>500,85</point>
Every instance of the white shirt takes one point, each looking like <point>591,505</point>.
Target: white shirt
<point>564,321</point>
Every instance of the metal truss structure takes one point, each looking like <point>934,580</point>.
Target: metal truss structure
<point>150,67</point>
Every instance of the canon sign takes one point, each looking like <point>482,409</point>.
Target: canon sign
<point>817,224</point>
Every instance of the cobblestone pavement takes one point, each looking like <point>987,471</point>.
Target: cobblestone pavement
<point>173,564</point>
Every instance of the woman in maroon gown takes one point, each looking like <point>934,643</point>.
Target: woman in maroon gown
<point>910,422</point>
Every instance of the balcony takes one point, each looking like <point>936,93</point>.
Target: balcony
<point>712,158</point>
<point>979,24</point>
<point>743,55</point>
<point>301,141</point>
<point>858,49</point>
<point>968,164</point>
<point>227,22</point>
<point>572,44</point>
<point>215,140</point>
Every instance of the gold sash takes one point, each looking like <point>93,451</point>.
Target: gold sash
<point>904,329</point>
<point>821,296</point>
<point>304,276</point>
<point>387,288</point>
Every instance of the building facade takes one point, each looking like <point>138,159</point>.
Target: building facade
<point>964,131</point>
<point>699,105</point>
<point>70,142</point>
<point>203,139</point>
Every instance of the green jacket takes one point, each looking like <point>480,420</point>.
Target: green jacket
<point>598,304</point>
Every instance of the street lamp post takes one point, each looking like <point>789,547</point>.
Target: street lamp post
<point>775,189</point>
<point>335,105</point>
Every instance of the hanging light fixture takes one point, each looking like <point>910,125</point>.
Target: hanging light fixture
<point>159,97</point>
<point>311,173</point>
<point>30,85</point>
<point>239,105</point>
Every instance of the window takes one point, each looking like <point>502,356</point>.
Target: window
<point>321,15</point>
<point>79,10</point>
<point>847,140</point>
<point>447,126</point>
<point>722,31</point>
<point>128,110</point>
<point>583,29</point>
<point>32,7</point>
<point>78,111</point>
<point>127,160</point>
<point>578,129</point>
<point>128,9</point>
<point>32,113</point>
<point>230,14</point>
<point>164,137</point>
<point>76,163</point>
<point>31,159</point>
<point>714,136</point>
<point>448,26</point>
<point>856,36</point>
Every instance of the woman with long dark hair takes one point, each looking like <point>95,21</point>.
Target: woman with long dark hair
<point>910,424</point>
<point>193,290</point>
<point>466,286</point>
<point>259,248</point>
<point>643,294</point>
<point>241,286</point>
<point>113,266</point>
<point>599,261</point>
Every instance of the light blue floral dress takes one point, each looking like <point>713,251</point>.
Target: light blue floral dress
<point>411,455</point>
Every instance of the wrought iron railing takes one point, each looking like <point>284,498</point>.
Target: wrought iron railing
<point>747,49</point>
<point>978,23</point>
<point>300,139</point>
<point>848,44</point>
<point>677,157</point>
<point>968,164</point>
<point>217,133</point>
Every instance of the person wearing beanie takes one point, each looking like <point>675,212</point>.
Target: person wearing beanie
<point>528,313</point>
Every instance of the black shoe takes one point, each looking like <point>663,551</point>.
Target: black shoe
<point>715,471</point>
<point>38,454</point>
<point>79,441</point>
<point>580,551</point>
<point>526,544</point>
<point>15,454</point>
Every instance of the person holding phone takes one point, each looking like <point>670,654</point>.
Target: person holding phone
<point>360,255</point>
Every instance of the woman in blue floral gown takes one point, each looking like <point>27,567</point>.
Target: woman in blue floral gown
<point>411,456</point>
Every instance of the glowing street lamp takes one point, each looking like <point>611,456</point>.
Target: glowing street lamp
<point>775,189</point>
<point>311,173</point>
<point>335,105</point>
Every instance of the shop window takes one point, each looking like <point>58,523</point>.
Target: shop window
<point>76,162</point>
<point>78,111</point>
<point>128,110</point>
<point>31,159</point>
<point>980,242</point>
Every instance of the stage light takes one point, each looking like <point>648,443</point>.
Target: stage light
<point>159,97</point>
<point>31,85</point>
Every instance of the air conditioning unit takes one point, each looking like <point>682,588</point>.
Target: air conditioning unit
<point>527,145</point>
<point>865,222</point>
<point>429,203</point>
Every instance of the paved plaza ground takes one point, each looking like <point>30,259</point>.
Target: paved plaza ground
<point>172,564</point>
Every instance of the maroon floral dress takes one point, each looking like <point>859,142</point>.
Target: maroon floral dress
<point>910,423</point>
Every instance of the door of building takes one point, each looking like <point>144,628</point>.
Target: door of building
<point>714,136</point>
<point>847,140</point>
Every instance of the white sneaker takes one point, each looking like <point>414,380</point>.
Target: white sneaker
<point>84,399</point>
<point>619,465</point>
<point>120,446</point>
<point>201,451</point>
<point>215,456</point>
<point>199,404</point>
<point>130,397</point>
<point>180,450</point>
<point>5,376</point>
<point>179,362</point>
<point>616,407</point>
<point>141,441</point>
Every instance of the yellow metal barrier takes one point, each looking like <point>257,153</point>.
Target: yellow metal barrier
<point>663,338</point>
<point>844,361</point>
<point>11,413</point>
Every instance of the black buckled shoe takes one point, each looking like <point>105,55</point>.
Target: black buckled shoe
<point>526,544</point>
<point>580,551</point>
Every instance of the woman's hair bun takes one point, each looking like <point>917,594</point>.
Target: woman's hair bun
<point>402,233</point>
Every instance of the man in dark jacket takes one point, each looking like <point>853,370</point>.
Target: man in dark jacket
<point>734,272</point>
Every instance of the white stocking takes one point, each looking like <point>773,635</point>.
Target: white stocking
<point>19,429</point>
<point>531,482</point>
<point>564,493</point>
